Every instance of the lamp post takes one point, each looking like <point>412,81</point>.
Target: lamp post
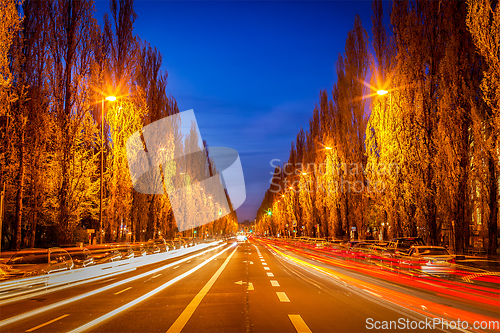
<point>111,99</point>
<point>382,92</point>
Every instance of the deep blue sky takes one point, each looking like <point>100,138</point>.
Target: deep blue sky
<point>252,71</point>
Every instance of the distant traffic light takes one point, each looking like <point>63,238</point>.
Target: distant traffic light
<point>269,212</point>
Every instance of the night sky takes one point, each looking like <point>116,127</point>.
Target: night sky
<point>251,71</point>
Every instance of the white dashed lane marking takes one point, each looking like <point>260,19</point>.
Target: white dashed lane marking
<point>124,290</point>
<point>47,323</point>
<point>275,283</point>
<point>282,296</point>
<point>270,274</point>
<point>299,324</point>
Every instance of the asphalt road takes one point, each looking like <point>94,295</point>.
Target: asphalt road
<point>237,287</point>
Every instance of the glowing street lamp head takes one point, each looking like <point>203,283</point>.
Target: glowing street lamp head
<point>382,92</point>
<point>111,98</point>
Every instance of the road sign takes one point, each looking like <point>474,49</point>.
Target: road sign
<point>294,223</point>
<point>91,231</point>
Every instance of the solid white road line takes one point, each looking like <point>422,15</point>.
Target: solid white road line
<point>180,322</point>
<point>275,283</point>
<point>109,315</point>
<point>45,324</point>
<point>124,290</point>
<point>299,324</point>
<point>282,296</point>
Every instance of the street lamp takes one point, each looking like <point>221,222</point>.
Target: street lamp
<point>382,92</point>
<point>110,99</point>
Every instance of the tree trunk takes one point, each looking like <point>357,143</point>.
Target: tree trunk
<point>16,244</point>
<point>493,218</point>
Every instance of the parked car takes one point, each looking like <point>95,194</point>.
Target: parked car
<point>180,243</point>
<point>152,248</point>
<point>104,253</point>
<point>334,242</point>
<point>81,256</point>
<point>125,250</point>
<point>400,246</point>
<point>161,243</point>
<point>434,260</point>
<point>139,249</point>
<point>39,261</point>
<point>319,243</point>
<point>189,241</point>
<point>304,240</point>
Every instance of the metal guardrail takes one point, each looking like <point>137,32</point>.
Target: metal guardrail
<point>21,287</point>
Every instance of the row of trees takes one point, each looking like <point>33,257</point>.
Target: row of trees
<point>422,158</point>
<point>57,66</point>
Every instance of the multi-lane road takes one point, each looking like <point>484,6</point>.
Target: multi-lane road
<point>240,287</point>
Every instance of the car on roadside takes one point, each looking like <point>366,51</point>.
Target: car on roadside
<point>161,243</point>
<point>429,260</point>
<point>104,253</point>
<point>139,249</point>
<point>125,250</point>
<point>81,256</point>
<point>34,262</point>
<point>180,243</point>
<point>401,246</point>
<point>320,243</point>
<point>152,248</point>
<point>190,241</point>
